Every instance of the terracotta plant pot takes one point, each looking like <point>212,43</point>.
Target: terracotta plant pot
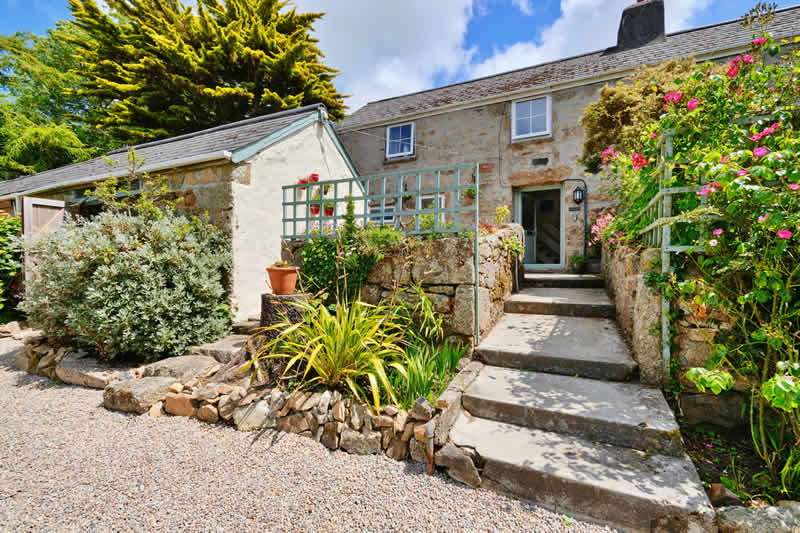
<point>315,209</point>
<point>283,280</point>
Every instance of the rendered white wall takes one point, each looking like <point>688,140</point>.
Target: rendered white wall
<point>257,201</point>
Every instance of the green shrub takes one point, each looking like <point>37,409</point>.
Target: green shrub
<point>429,370</point>
<point>383,239</point>
<point>9,260</point>
<point>351,348</point>
<point>141,287</point>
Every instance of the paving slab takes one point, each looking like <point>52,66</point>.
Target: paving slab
<point>222,350</point>
<point>86,371</point>
<point>624,487</point>
<point>575,346</point>
<point>563,280</point>
<point>182,368</point>
<point>561,301</point>
<point>624,414</point>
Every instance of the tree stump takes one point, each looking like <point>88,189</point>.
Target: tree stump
<point>274,309</point>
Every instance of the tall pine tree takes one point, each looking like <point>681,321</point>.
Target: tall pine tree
<point>163,69</point>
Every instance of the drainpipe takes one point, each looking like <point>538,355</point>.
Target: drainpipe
<point>585,210</point>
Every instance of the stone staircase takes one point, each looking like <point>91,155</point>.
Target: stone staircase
<point>553,417</point>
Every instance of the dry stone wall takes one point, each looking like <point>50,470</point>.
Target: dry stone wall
<point>639,315</point>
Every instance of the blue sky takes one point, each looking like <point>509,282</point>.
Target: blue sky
<point>418,44</point>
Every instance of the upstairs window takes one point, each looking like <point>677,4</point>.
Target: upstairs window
<point>400,140</point>
<point>531,118</point>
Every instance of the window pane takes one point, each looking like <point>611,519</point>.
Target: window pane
<point>395,133</point>
<point>539,106</point>
<point>405,132</point>
<point>523,109</point>
<point>405,146</point>
<point>523,127</point>
<point>539,124</point>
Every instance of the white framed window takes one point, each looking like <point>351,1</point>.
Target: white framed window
<point>531,118</point>
<point>400,140</point>
<point>387,219</point>
<point>429,201</point>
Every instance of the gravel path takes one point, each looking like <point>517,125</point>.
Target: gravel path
<point>68,464</point>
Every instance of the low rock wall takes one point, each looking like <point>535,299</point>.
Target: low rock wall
<point>445,270</point>
<point>639,316</point>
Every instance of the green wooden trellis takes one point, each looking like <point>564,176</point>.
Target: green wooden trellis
<point>374,194</point>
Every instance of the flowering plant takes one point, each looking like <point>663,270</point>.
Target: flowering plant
<point>748,174</point>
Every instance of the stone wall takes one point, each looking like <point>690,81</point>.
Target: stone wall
<point>639,316</point>
<point>444,268</point>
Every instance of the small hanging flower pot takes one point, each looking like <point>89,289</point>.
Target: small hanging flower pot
<point>302,181</point>
<point>315,209</point>
<point>315,206</point>
<point>313,178</point>
<point>329,207</point>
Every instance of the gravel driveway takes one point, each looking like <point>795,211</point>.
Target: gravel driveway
<point>68,464</point>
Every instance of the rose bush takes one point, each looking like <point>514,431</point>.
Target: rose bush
<point>735,138</point>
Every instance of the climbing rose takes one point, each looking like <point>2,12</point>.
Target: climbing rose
<point>717,231</point>
<point>639,161</point>
<point>760,151</point>
<point>653,135</point>
<point>742,173</point>
<point>760,41</point>
<point>747,58</point>
<point>735,60</point>
<point>693,103</point>
<point>713,242</point>
<point>784,234</point>
<point>609,154</point>
<point>674,97</point>
<point>762,218</point>
<point>733,70</point>
<point>794,186</point>
<point>704,191</point>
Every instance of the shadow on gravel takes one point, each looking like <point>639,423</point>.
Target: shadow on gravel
<point>272,435</point>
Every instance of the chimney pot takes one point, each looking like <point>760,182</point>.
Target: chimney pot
<point>641,23</point>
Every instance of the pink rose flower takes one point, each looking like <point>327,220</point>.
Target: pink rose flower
<point>713,242</point>
<point>794,186</point>
<point>760,151</point>
<point>742,173</point>
<point>704,191</point>
<point>784,234</point>
<point>733,70</point>
<point>759,41</point>
<point>653,135</point>
<point>693,103</point>
<point>717,231</point>
<point>747,58</point>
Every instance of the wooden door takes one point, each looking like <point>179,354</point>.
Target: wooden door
<point>39,215</point>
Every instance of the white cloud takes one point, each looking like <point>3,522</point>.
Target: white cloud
<point>583,26</point>
<point>391,48</point>
<point>525,6</point>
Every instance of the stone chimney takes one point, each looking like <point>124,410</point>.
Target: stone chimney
<point>641,24</point>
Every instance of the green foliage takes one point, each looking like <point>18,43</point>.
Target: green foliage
<point>749,275</point>
<point>339,265</point>
<point>424,323</point>
<point>41,122</point>
<point>621,114</point>
<point>500,215</point>
<point>140,286</point>
<point>383,239</point>
<point>163,68</point>
<point>514,246</point>
<point>428,372</point>
<point>351,348</point>
<point>9,260</point>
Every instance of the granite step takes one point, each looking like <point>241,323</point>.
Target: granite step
<point>623,414</point>
<point>563,280</point>
<point>561,301</point>
<point>626,488</point>
<point>574,346</point>
<point>222,350</point>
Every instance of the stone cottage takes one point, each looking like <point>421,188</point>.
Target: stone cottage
<point>522,127</point>
<point>234,172</point>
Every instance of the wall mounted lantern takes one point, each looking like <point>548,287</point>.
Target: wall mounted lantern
<point>577,195</point>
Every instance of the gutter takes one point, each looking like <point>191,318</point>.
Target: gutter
<point>174,163</point>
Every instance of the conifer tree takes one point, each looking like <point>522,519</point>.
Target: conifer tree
<point>163,68</point>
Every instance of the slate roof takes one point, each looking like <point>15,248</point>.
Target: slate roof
<point>229,137</point>
<point>703,40</point>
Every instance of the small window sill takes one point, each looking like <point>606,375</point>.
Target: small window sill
<point>400,158</point>
<point>533,138</point>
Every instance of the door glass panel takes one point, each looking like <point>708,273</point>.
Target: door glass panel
<point>541,220</point>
